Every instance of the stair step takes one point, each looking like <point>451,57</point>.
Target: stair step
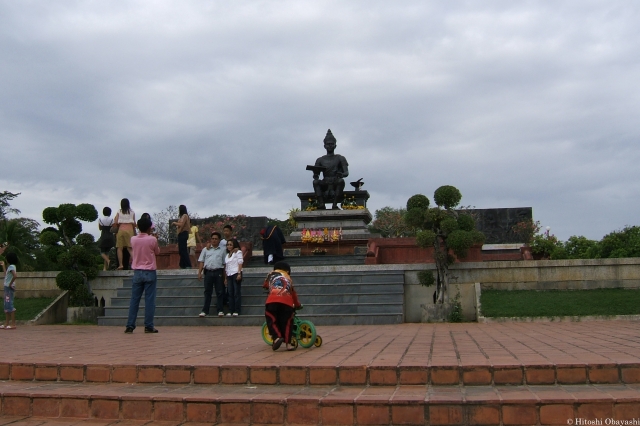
<point>257,320</point>
<point>283,369</point>
<point>268,404</point>
<point>350,297</point>
<point>259,299</point>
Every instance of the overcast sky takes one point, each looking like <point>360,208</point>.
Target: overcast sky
<point>220,105</point>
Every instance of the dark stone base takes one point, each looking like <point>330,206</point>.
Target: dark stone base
<point>352,222</point>
<point>344,247</point>
<point>360,197</point>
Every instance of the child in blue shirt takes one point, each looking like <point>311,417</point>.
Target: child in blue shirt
<point>9,290</point>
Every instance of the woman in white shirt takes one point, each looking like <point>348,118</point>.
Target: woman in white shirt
<point>233,276</point>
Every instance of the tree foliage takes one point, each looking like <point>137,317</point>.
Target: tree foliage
<point>623,243</point>
<point>22,236</point>
<point>73,252</point>
<point>5,204</point>
<point>390,223</point>
<point>617,244</point>
<point>447,230</point>
<point>217,223</point>
<point>162,220</point>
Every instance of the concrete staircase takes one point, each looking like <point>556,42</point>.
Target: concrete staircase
<point>341,297</point>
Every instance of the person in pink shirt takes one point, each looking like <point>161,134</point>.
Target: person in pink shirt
<point>145,248</point>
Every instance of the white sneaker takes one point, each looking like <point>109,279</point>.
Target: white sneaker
<point>235,314</point>
<point>220,314</point>
<point>202,315</point>
<point>229,314</point>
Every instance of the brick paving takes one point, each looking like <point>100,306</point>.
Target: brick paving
<point>308,405</point>
<point>507,373</point>
<point>405,345</point>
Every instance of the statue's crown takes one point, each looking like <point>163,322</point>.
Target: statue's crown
<point>329,136</point>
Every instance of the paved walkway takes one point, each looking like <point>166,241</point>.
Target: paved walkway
<point>512,373</point>
<point>405,345</point>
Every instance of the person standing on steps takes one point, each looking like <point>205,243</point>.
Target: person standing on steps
<point>192,243</point>
<point>183,225</point>
<point>227,235</point>
<point>233,276</point>
<point>211,262</point>
<point>145,249</point>
<point>272,241</point>
<point>107,241</point>
<point>125,220</point>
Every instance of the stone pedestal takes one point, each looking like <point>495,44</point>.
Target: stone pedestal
<point>359,197</point>
<point>353,223</point>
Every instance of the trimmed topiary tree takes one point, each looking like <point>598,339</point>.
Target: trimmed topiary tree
<point>445,229</point>
<point>73,251</point>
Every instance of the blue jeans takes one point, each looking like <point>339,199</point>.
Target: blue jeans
<point>143,281</point>
<point>235,293</point>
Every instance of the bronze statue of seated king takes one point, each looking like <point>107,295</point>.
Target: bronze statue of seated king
<point>334,169</point>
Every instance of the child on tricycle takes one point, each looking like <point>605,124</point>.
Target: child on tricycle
<point>282,325</point>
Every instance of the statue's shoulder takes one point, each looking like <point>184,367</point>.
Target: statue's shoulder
<point>321,160</point>
<point>342,158</point>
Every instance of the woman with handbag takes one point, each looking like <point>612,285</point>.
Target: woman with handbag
<point>107,241</point>
<point>183,226</point>
<point>125,221</point>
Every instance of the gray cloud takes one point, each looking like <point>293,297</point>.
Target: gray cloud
<point>221,105</point>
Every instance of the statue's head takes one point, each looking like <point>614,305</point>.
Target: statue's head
<point>329,141</point>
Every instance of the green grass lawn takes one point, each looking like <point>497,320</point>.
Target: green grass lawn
<point>531,303</point>
<point>27,309</point>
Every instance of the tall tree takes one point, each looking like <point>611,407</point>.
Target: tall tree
<point>72,250</point>
<point>443,228</point>
<point>5,205</point>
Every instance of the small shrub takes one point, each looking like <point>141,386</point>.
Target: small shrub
<point>460,242</point>
<point>74,282</point>
<point>425,238</point>
<point>456,309</point>
<point>466,222</point>
<point>418,201</point>
<point>447,196</point>
<point>425,278</point>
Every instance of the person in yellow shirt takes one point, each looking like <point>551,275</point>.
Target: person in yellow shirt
<point>192,242</point>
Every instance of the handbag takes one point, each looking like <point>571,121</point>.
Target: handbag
<point>114,228</point>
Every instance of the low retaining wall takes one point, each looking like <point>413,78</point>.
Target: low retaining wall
<point>36,284</point>
<point>552,274</point>
<point>84,314</point>
<point>522,275</point>
<point>55,313</point>
<point>507,275</point>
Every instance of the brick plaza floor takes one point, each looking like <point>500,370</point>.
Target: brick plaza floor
<point>506,373</point>
<point>419,345</point>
